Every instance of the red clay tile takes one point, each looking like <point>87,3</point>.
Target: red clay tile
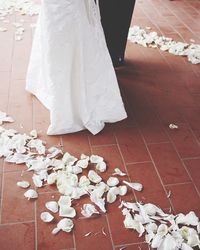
<point>195,68</point>
<point>197,98</point>
<point>153,191</point>
<point>41,122</point>
<point>141,246</point>
<point>20,108</point>
<point>176,97</point>
<point>0,188</point>
<point>192,115</point>
<point>158,62</point>
<point>194,170</point>
<point>17,236</point>
<point>192,82</point>
<point>168,163</point>
<point>120,234</point>
<point>184,141</point>
<point>106,136</point>
<point>181,97</point>
<point>168,114</point>
<point>151,82</point>
<point>4,89</point>
<point>11,167</point>
<point>20,60</point>
<point>15,207</point>
<point>6,46</point>
<point>47,189</point>
<point>185,198</point>
<point>41,115</point>
<point>78,204</point>
<point>1,165</point>
<point>111,156</point>
<point>76,143</point>
<point>0,185</point>
<point>177,63</point>
<point>150,125</point>
<point>46,240</point>
<point>97,240</point>
<point>129,121</point>
<point>131,145</point>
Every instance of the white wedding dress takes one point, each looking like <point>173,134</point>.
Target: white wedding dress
<point>70,70</point>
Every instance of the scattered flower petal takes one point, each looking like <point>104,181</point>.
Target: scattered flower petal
<point>173,126</point>
<point>52,206</point>
<point>101,166</point>
<point>46,217</point>
<point>87,234</point>
<point>65,225</point>
<point>112,181</point>
<point>66,211</point>
<point>96,159</point>
<point>134,185</point>
<point>88,210</point>
<point>94,177</point>
<point>65,201</point>
<point>118,172</point>
<point>53,152</point>
<point>31,194</point>
<point>23,184</point>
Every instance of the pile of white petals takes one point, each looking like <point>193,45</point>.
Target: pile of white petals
<point>153,40</point>
<point>22,7</point>
<point>162,231</point>
<point>75,178</point>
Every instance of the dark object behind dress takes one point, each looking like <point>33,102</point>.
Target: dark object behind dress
<point>116,18</point>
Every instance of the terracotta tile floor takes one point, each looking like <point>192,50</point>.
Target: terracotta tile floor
<point>158,89</point>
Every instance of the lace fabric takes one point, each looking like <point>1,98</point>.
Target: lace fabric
<point>70,70</point>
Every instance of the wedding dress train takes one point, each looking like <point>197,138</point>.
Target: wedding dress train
<point>70,70</point>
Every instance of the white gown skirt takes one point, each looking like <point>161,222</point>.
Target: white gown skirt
<point>70,70</point>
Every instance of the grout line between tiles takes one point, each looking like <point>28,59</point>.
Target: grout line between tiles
<point>103,145</point>
<point>198,191</point>
<point>164,58</point>
<point>124,163</point>
<point>177,184</point>
<point>11,70</point>
<point>179,20</point>
<point>2,188</point>
<point>7,109</point>
<point>17,223</point>
<point>192,132</point>
<point>68,249</point>
<point>155,143</point>
<point>14,171</point>
<point>175,32</point>
<point>109,230</point>
<point>48,192</point>
<point>140,162</point>
<point>36,226</point>
<point>35,203</point>
<point>131,244</point>
<point>158,174</point>
<point>74,239</point>
<point>189,175</point>
<point>198,12</point>
<point>189,16</point>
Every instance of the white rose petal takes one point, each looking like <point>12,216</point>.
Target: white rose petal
<point>46,217</point>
